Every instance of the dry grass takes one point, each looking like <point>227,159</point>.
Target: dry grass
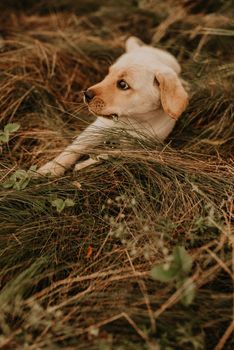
<point>80,279</point>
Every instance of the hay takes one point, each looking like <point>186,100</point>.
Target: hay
<point>80,278</point>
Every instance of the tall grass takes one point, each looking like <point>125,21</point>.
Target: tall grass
<point>78,276</point>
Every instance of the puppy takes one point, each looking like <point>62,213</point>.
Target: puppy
<point>142,91</point>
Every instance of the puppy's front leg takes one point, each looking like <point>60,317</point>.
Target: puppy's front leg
<point>58,165</point>
<point>90,161</point>
<point>90,137</point>
<point>85,164</point>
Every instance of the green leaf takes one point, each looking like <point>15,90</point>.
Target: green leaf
<point>11,127</point>
<point>4,137</point>
<point>32,170</point>
<point>59,204</point>
<point>20,174</point>
<point>23,183</point>
<point>161,274</point>
<point>182,259</point>
<point>17,186</point>
<point>8,183</point>
<point>188,294</point>
<point>19,180</point>
<point>181,264</point>
<point>69,202</point>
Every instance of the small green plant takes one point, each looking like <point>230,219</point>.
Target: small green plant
<point>187,336</point>
<point>177,268</point>
<point>60,204</point>
<point>9,129</point>
<point>20,179</point>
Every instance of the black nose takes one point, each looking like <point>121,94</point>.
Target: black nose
<point>89,95</point>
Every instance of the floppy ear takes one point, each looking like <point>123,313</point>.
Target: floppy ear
<point>133,43</point>
<point>174,98</point>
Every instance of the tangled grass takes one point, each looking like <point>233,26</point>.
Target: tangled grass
<point>78,276</point>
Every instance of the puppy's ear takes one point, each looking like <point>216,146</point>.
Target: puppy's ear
<point>174,98</point>
<point>133,43</point>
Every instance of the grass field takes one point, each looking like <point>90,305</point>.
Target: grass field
<point>136,252</point>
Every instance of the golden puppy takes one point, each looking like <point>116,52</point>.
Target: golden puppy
<point>142,91</point>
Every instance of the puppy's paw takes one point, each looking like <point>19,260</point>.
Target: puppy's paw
<point>85,164</point>
<point>51,169</point>
<point>90,161</point>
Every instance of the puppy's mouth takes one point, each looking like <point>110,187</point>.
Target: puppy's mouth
<point>112,116</point>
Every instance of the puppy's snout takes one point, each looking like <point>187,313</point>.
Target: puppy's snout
<point>89,95</point>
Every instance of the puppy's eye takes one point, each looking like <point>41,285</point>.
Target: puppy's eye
<point>122,85</point>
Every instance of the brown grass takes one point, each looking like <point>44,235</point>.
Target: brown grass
<point>80,279</point>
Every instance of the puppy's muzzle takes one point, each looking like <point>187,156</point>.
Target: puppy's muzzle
<point>88,95</point>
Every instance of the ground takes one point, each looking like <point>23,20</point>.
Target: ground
<point>135,252</point>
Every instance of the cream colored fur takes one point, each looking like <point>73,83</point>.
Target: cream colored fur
<point>155,99</point>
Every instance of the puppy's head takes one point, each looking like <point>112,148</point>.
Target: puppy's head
<point>136,86</point>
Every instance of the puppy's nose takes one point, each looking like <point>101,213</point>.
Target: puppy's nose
<point>89,95</point>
